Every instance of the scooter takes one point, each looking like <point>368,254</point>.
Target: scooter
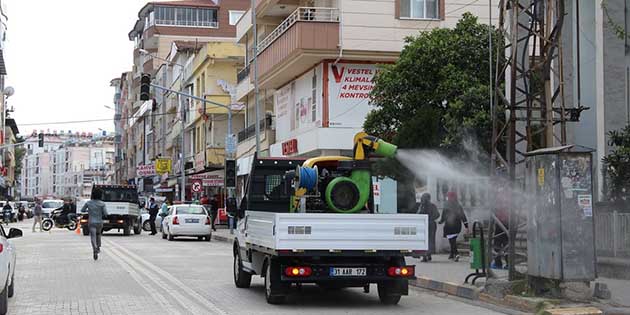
<point>55,220</point>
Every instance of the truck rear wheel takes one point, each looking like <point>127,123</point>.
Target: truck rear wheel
<point>137,228</point>
<point>388,294</point>
<point>127,230</point>
<point>242,279</point>
<point>275,290</point>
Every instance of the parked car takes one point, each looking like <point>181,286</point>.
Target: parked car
<point>145,220</point>
<point>187,220</point>
<point>49,205</point>
<point>7,267</point>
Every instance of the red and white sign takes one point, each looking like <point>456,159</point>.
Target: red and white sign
<point>213,179</point>
<point>290,147</point>
<point>146,170</point>
<point>197,186</point>
<point>349,88</point>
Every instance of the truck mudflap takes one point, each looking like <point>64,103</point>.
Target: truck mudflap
<point>353,275</point>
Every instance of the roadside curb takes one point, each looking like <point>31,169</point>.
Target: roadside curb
<point>223,238</point>
<point>463,291</point>
<point>532,305</point>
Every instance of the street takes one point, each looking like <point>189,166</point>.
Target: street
<point>147,275</point>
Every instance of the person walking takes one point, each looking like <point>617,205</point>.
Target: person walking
<point>428,208</point>
<point>153,212</point>
<point>453,216</point>
<point>96,210</point>
<point>37,215</point>
<point>214,210</point>
<point>7,213</point>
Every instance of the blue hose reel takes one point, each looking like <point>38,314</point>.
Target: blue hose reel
<point>307,177</point>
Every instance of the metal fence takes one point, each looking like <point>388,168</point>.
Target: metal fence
<point>612,234</point>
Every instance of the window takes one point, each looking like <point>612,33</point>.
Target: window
<point>313,98</point>
<point>419,9</point>
<point>235,16</point>
<point>195,17</point>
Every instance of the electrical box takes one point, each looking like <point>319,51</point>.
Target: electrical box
<point>560,226</point>
<point>385,195</point>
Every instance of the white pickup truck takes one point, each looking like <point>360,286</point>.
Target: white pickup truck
<point>123,209</point>
<point>332,250</point>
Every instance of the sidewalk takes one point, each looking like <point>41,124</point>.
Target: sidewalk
<point>444,275</point>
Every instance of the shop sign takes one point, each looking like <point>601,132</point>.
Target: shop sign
<point>163,166</point>
<point>290,147</point>
<point>349,87</point>
<point>145,170</point>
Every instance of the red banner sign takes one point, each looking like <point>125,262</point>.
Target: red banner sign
<point>290,147</point>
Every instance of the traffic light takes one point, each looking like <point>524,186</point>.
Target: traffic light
<point>145,87</point>
<point>41,140</point>
<point>230,173</point>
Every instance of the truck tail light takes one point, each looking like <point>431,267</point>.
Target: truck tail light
<point>298,271</point>
<point>402,271</point>
<point>175,220</point>
<point>208,221</point>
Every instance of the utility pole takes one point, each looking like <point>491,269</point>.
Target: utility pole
<point>534,115</point>
<point>255,66</point>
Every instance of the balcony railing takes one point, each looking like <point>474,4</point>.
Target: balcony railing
<point>250,131</point>
<point>242,75</point>
<point>305,14</point>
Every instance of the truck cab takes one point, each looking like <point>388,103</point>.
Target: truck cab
<point>123,209</point>
<point>289,245</point>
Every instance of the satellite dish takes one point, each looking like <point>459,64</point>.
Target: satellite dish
<point>8,91</point>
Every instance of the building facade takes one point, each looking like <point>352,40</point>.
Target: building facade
<point>187,46</point>
<point>315,61</point>
<point>66,164</point>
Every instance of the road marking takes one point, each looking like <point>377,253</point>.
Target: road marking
<point>143,283</point>
<point>173,294</point>
<point>159,271</point>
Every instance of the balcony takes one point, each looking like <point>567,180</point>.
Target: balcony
<point>306,37</point>
<point>244,85</point>
<point>250,131</point>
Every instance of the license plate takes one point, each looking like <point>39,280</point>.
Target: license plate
<point>191,220</point>
<point>105,221</point>
<point>347,272</point>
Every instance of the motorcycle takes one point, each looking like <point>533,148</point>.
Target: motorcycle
<point>55,219</point>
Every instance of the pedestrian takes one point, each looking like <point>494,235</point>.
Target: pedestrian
<point>153,212</point>
<point>96,210</point>
<point>214,210</point>
<point>164,208</point>
<point>428,208</point>
<point>7,212</point>
<point>37,215</point>
<point>453,216</point>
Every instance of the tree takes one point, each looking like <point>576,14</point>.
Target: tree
<point>618,165</point>
<point>437,93</point>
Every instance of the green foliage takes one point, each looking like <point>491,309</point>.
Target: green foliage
<point>618,165</point>
<point>20,151</point>
<point>438,92</point>
<point>617,28</point>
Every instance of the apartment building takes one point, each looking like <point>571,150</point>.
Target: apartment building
<point>315,64</point>
<point>186,45</point>
<point>8,178</point>
<point>76,166</point>
<point>49,171</point>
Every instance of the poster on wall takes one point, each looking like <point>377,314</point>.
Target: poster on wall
<point>349,87</point>
<point>298,105</point>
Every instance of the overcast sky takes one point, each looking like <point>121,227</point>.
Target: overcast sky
<point>61,56</point>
